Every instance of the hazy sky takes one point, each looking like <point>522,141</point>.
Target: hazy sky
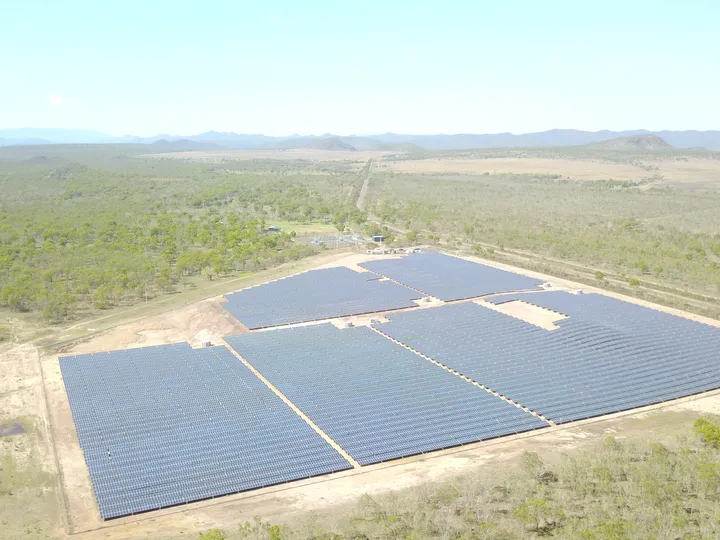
<point>279,67</point>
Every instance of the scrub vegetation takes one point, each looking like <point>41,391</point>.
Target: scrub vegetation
<point>84,229</point>
<point>635,489</point>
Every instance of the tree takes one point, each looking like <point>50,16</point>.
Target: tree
<point>412,236</point>
<point>708,432</point>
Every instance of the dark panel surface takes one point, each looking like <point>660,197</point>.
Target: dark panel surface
<point>449,278</point>
<point>376,399</point>
<point>608,356</point>
<point>160,426</point>
<point>315,295</point>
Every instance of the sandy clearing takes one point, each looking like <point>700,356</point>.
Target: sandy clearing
<point>530,313</point>
<point>195,323</point>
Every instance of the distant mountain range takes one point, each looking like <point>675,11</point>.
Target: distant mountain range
<point>212,139</point>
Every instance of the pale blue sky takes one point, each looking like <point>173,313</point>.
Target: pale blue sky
<point>145,67</point>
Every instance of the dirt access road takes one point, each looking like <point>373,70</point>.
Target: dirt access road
<point>364,188</point>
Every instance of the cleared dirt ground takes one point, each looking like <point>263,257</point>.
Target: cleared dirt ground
<point>62,503</point>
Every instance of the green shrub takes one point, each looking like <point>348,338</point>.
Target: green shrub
<point>708,432</point>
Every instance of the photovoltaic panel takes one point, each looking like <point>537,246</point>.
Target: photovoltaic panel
<point>608,356</point>
<point>449,278</point>
<point>315,295</point>
<point>160,426</point>
<point>376,399</point>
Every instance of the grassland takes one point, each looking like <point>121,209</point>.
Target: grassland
<point>28,497</point>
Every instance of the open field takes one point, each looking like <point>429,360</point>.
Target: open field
<point>689,171</point>
<point>309,154</point>
<point>305,229</point>
<point>576,170</point>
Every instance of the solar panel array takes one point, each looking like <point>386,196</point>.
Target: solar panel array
<point>315,295</point>
<point>449,278</point>
<point>608,356</point>
<point>376,399</point>
<point>166,425</point>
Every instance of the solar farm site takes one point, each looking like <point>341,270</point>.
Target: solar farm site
<point>345,369</point>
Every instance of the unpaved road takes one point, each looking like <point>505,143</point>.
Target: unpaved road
<point>364,188</point>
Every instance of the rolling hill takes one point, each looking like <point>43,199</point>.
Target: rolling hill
<point>405,147</point>
<point>651,143</point>
<point>328,143</point>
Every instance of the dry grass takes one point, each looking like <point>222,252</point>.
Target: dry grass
<point>689,172</point>
<point>574,169</point>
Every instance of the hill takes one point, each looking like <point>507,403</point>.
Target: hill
<point>405,147</point>
<point>184,145</point>
<point>329,143</point>
<point>647,143</point>
<point>22,142</point>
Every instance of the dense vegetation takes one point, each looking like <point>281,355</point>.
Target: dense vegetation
<point>81,231</point>
<point>618,490</point>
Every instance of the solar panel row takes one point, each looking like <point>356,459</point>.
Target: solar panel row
<point>166,425</point>
<point>449,278</point>
<point>606,357</point>
<point>376,399</point>
<point>316,295</point>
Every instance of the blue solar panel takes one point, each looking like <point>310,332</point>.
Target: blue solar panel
<point>376,399</point>
<point>449,278</point>
<point>315,295</point>
<point>606,357</point>
<point>166,425</point>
